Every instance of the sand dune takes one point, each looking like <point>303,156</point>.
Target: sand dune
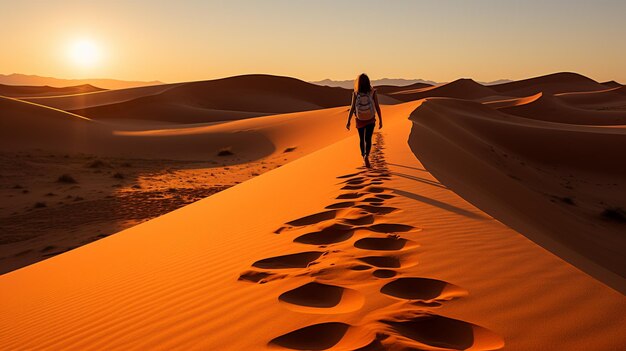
<point>34,80</point>
<point>388,89</point>
<point>553,182</point>
<point>611,84</point>
<point>83,101</point>
<point>318,254</point>
<point>461,88</point>
<point>563,82</point>
<point>33,91</point>
<point>611,99</point>
<point>224,99</point>
<point>566,108</point>
<point>28,126</point>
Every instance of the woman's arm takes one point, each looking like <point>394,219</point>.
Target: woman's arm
<point>380,115</point>
<point>351,112</point>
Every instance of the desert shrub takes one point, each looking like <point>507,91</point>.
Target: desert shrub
<point>225,152</point>
<point>615,214</point>
<point>66,178</point>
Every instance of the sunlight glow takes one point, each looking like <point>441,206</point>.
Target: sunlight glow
<point>84,53</point>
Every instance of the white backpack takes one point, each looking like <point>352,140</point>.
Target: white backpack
<point>364,105</point>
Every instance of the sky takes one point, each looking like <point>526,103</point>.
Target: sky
<point>439,40</point>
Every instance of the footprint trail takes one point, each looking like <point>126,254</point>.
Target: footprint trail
<point>349,244</point>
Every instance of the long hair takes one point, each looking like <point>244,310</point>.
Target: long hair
<point>362,84</point>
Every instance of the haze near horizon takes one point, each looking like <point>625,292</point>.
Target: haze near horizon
<point>194,40</point>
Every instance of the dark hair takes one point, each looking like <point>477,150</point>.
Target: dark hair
<point>362,84</point>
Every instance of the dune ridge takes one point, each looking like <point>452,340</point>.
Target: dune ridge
<point>26,91</point>
<point>561,82</point>
<point>175,281</point>
<point>224,99</point>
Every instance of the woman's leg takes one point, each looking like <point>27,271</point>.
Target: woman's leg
<point>369,131</point>
<point>362,140</point>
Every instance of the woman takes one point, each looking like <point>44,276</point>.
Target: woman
<point>365,106</point>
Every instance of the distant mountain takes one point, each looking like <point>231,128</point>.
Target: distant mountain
<point>399,82</point>
<point>499,81</point>
<point>32,80</point>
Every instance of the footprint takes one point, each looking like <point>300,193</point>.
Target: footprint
<point>335,233</point>
<point>389,227</point>
<point>384,273</point>
<point>344,204</point>
<point>363,220</point>
<point>445,333</point>
<point>423,289</point>
<point>314,218</point>
<point>390,243</point>
<point>259,277</point>
<point>316,297</point>
<point>360,267</point>
<point>314,337</point>
<point>381,261</point>
<point>355,180</point>
<point>374,189</point>
<point>373,199</point>
<point>349,175</point>
<point>354,187</point>
<point>349,196</point>
<point>377,209</point>
<point>298,260</point>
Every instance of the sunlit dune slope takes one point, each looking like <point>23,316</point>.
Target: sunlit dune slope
<point>34,91</point>
<point>552,182</point>
<point>225,99</point>
<point>28,126</point>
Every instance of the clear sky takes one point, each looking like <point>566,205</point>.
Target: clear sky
<point>439,40</point>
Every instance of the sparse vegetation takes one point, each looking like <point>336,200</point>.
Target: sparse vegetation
<point>567,200</point>
<point>118,175</point>
<point>617,214</point>
<point>66,178</point>
<point>225,152</point>
<point>126,164</point>
<point>290,149</point>
<point>40,204</point>
<point>97,164</point>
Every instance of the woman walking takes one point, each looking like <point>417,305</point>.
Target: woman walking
<point>365,106</point>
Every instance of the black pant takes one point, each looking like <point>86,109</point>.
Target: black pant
<point>365,138</point>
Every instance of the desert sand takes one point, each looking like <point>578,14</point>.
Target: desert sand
<point>492,217</point>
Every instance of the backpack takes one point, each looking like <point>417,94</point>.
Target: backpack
<point>364,105</point>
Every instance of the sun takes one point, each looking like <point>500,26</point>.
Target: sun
<point>84,53</point>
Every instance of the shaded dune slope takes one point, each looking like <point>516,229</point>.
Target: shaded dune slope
<point>461,88</point>
<point>561,108</point>
<point>99,98</point>
<point>225,99</point>
<point>610,99</point>
<point>562,82</point>
<point>389,89</point>
<point>23,91</point>
<point>519,169</point>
